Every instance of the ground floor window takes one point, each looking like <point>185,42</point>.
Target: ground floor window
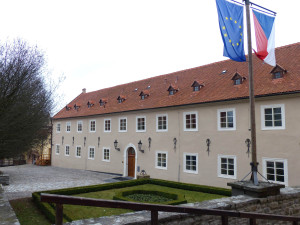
<point>106,155</point>
<point>67,150</point>
<point>275,170</point>
<point>91,153</point>
<point>190,163</point>
<point>78,151</point>
<point>57,149</point>
<point>227,166</point>
<point>161,160</point>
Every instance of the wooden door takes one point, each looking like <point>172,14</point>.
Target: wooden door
<point>131,162</point>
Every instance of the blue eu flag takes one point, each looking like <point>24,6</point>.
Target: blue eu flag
<point>231,27</point>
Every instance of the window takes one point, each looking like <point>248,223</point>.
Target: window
<point>272,117</point>
<point>107,125</point>
<point>122,124</point>
<point>106,155</point>
<point>162,123</point>
<point>68,127</point>
<point>141,124</point>
<point>190,121</point>
<point>277,75</point>
<point>78,151</point>
<point>121,98</point>
<point>57,150</point>
<point>226,119</point>
<point>172,89</point>
<point>161,160</point>
<point>91,153</point>
<point>196,88</point>
<point>237,81</point>
<point>79,126</point>
<point>92,125</point>
<point>67,150</point>
<point>276,170</point>
<point>58,127</point>
<point>227,166</point>
<point>190,163</point>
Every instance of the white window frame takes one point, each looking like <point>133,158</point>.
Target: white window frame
<point>157,127</point>
<point>66,150</point>
<point>90,126</point>
<point>122,118</point>
<point>107,131</point>
<point>184,121</point>
<point>140,117</point>
<point>285,164</point>
<point>68,124</point>
<point>234,163</point>
<point>58,125</point>
<point>91,147</point>
<point>57,147</point>
<point>78,146</point>
<point>184,163</point>
<point>156,160</point>
<point>219,119</point>
<point>79,122</point>
<point>103,154</point>
<point>262,110</point>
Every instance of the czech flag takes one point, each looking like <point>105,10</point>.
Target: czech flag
<point>265,37</point>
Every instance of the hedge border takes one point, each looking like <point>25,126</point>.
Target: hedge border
<point>49,209</point>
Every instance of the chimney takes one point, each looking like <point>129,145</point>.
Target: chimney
<point>84,90</point>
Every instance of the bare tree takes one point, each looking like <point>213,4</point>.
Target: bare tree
<point>25,99</point>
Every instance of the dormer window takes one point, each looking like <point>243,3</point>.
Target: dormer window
<point>172,89</point>
<point>103,101</point>
<point>197,85</point>
<point>68,107</point>
<point>278,72</point>
<point>144,94</point>
<point>121,98</point>
<point>77,106</point>
<point>237,79</point>
<point>90,104</point>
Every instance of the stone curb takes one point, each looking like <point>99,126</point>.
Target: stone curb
<point>7,214</point>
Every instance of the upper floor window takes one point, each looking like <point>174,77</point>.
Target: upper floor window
<point>107,125</point>
<point>226,119</point>
<point>106,154</point>
<point>275,170</point>
<point>161,160</point>
<point>190,121</point>
<point>172,89</point>
<point>103,102</point>
<point>237,79</point>
<point>68,126</point>
<point>78,151</point>
<point>92,125</point>
<point>197,85</point>
<point>227,166</point>
<point>144,94</point>
<point>278,72</point>
<point>272,117</point>
<point>141,124</point>
<point>67,150</point>
<point>79,126</point>
<point>68,107</point>
<point>91,153</point>
<point>57,149</point>
<point>123,124</point>
<point>162,122</point>
<point>121,98</point>
<point>77,106</point>
<point>90,104</point>
<point>58,127</point>
<point>190,163</point>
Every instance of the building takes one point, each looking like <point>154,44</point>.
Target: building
<point>191,125</point>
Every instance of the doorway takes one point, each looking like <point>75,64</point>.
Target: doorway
<point>131,162</point>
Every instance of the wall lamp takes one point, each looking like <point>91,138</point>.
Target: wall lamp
<point>84,139</point>
<point>116,145</point>
<point>174,142</point>
<point>149,140</point>
<point>208,142</point>
<point>73,140</point>
<point>62,140</point>
<point>98,142</point>
<point>248,144</point>
<point>140,146</point>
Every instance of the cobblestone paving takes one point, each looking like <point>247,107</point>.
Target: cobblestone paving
<point>26,179</point>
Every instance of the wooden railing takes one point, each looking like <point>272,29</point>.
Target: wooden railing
<point>60,200</point>
<point>44,160</point>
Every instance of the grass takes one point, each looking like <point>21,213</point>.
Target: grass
<point>83,212</point>
<point>28,213</point>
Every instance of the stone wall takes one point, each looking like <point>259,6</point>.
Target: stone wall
<point>4,179</point>
<point>287,203</point>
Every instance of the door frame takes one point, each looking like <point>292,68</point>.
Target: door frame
<point>125,171</point>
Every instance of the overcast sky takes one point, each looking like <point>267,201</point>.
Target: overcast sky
<point>102,43</point>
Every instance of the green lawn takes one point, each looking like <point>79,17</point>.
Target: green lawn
<point>28,213</point>
<point>79,212</point>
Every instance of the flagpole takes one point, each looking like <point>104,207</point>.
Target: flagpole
<point>252,100</point>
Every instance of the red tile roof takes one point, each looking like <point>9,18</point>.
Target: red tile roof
<point>218,86</point>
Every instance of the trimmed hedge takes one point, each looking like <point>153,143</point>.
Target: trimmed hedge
<point>49,209</point>
<point>177,198</point>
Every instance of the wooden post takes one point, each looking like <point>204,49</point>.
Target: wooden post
<point>224,220</point>
<point>154,217</point>
<point>252,100</point>
<point>59,214</point>
<point>252,221</point>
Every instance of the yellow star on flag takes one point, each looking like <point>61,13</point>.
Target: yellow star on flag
<point>225,35</point>
<point>226,18</point>
<point>229,40</point>
<point>235,21</point>
<point>223,27</point>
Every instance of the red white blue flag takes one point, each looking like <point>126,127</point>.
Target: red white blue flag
<point>265,37</point>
